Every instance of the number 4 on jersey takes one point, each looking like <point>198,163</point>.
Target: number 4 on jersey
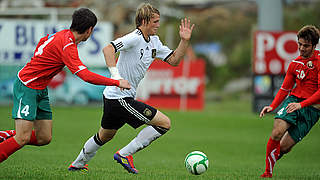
<point>280,111</point>
<point>25,110</point>
<point>40,49</point>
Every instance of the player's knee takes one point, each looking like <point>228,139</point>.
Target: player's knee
<point>22,140</point>
<point>285,150</point>
<point>276,135</point>
<point>166,123</point>
<point>161,120</point>
<point>44,140</point>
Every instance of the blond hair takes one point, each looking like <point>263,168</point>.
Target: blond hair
<point>145,12</point>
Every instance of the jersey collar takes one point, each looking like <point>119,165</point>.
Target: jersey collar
<point>143,35</point>
<point>315,56</point>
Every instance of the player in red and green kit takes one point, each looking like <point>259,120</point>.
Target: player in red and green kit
<point>31,109</point>
<point>298,114</point>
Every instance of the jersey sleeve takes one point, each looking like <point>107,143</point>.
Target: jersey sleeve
<point>286,87</point>
<point>97,79</point>
<point>71,59</point>
<point>74,64</point>
<point>125,42</point>
<point>315,98</point>
<point>163,52</point>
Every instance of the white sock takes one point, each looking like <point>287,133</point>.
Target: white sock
<point>86,154</point>
<point>143,139</point>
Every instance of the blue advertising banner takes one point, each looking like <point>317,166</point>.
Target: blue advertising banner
<point>19,39</point>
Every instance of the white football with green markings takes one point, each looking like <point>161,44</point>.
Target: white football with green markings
<point>196,162</point>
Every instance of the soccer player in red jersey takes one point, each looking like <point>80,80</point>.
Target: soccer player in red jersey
<point>298,114</point>
<point>31,109</point>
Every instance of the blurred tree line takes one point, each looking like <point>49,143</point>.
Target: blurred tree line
<point>232,26</point>
<point>229,23</point>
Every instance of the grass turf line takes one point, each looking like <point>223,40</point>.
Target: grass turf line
<point>230,135</point>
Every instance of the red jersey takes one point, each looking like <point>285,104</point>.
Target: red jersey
<point>52,53</point>
<point>305,75</point>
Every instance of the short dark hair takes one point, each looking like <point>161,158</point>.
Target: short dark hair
<point>309,33</point>
<point>82,20</point>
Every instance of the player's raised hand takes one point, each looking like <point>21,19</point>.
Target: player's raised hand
<point>186,29</point>
<point>266,109</point>
<point>124,84</point>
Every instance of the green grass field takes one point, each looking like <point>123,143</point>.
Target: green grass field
<point>231,135</point>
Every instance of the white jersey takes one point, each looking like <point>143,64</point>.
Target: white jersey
<point>136,55</point>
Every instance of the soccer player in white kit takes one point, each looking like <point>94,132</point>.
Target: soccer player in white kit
<point>138,50</point>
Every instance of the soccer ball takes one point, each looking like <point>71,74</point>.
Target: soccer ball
<point>196,162</point>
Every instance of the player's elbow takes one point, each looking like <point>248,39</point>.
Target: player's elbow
<point>173,62</point>
<point>104,50</point>
<point>107,49</point>
<point>44,140</point>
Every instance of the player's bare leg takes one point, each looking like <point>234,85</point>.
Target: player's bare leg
<point>286,144</point>
<point>23,131</point>
<point>22,137</point>
<point>273,146</point>
<point>160,120</point>
<point>41,134</point>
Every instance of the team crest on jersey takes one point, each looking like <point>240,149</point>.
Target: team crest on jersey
<point>154,53</point>
<point>147,112</point>
<point>310,65</point>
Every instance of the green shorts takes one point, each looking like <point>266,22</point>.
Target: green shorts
<point>30,104</point>
<point>301,120</point>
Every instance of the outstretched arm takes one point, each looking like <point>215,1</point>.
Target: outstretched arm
<point>185,35</point>
<point>97,79</point>
<point>71,59</point>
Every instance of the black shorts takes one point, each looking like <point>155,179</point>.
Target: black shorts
<point>117,112</point>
